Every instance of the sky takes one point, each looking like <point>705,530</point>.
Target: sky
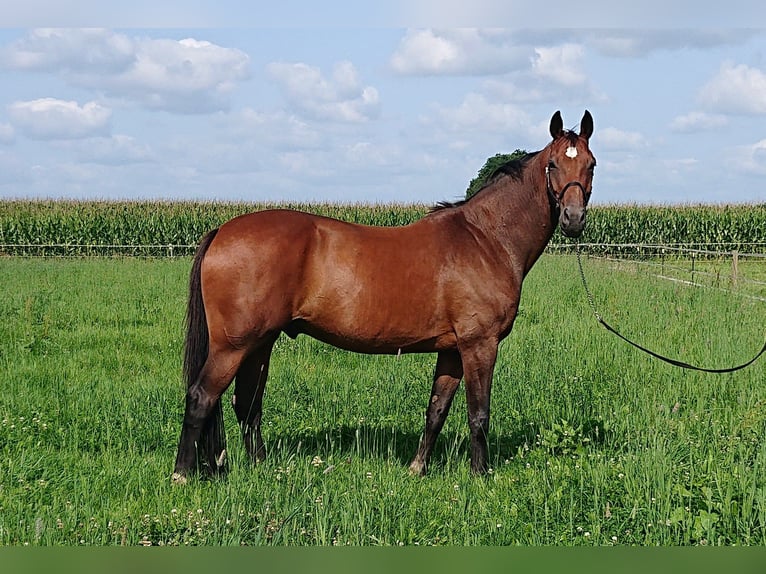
<point>382,108</point>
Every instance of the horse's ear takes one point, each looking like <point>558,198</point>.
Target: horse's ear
<point>586,125</point>
<point>557,125</point>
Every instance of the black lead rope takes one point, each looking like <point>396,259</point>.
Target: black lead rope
<point>674,362</point>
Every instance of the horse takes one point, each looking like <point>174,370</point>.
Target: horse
<point>448,283</point>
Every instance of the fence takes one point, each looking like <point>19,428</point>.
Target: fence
<point>95,250</point>
<point>714,265</point>
<point>719,265</point>
<point>629,251</point>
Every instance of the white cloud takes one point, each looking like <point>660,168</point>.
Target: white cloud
<point>697,121</point>
<point>680,165</point>
<point>751,158</point>
<point>636,43</point>
<point>7,134</point>
<point>87,50</point>
<point>485,51</point>
<point>560,64</point>
<point>736,89</point>
<point>519,89</point>
<point>277,130</point>
<point>564,14</point>
<point>187,76</point>
<point>526,88</point>
<point>115,150</point>
<point>477,113</point>
<point>425,52</point>
<point>341,98</point>
<point>49,118</point>
<point>365,155</point>
<point>465,51</point>
<point>521,66</point>
<point>613,139</point>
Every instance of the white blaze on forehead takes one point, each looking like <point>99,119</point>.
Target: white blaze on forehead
<point>572,152</point>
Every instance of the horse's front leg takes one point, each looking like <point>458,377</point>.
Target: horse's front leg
<point>479,365</point>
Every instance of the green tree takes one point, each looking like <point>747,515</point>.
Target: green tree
<point>489,168</point>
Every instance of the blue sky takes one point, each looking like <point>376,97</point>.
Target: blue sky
<point>373,113</point>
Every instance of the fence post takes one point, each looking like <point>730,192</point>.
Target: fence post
<point>693,264</point>
<point>734,267</point>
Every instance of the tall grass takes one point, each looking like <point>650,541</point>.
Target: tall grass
<point>725,224</point>
<point>78,226</point>
<point>75,227</point>
<point>591,442</point>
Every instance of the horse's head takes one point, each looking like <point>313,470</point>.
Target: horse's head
<point>569,173</point>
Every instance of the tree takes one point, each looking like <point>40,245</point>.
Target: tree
<point>489,168</point>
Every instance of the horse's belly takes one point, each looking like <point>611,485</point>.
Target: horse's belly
<point>362,338</point>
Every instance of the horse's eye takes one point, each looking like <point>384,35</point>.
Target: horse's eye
<point>551,164</point>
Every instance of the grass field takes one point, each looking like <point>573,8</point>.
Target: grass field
<point>591,442</point>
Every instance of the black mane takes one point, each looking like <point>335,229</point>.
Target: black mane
<point>513,168</point>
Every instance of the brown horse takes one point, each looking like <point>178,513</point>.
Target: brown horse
<point>449,284</point>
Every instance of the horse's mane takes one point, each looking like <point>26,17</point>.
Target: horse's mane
<point>513,168</point>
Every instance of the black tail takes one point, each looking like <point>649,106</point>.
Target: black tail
<point>212,444</point>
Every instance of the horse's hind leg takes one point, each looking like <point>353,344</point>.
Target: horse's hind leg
<point>449,371</point>
<point>203,417</point>
<point>248,398</point>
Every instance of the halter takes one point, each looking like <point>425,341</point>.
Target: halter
<point>555,198</point>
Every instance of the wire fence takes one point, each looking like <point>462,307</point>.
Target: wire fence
<point>695,258</point>
<point>735,267</point>
<point>722,266</point>
<point>629,251</point>
<point>653,251</point>
<point>95,250</point>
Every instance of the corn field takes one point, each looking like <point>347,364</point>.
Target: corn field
<point>174,228</point>
<point>732,227</point>
<point>149,228</point>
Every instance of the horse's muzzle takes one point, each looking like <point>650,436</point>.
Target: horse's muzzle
<point>572,221</point>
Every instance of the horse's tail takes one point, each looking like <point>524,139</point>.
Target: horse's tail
<point>196,343</point>
<point>212,442</point>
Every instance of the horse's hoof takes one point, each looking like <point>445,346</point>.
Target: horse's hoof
<point>417,469</point>
<point>220,461</point>
<point>178,478</point>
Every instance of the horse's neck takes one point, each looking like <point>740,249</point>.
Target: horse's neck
<point>516,214</point>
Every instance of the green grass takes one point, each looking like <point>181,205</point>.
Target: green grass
<point>747,277</point>
<point>592,443</point>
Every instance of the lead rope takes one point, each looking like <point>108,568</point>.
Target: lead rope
<point>585,284</point>
<point>674,362</point>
